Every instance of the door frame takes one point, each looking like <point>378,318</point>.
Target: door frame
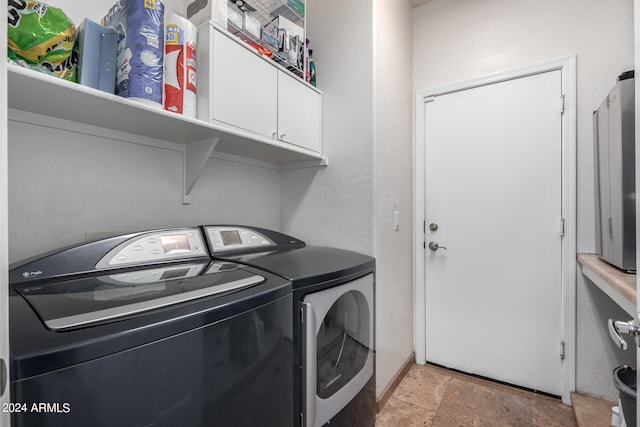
<point>567,66</point>
<point>636,50</point>
<point>4,209</point>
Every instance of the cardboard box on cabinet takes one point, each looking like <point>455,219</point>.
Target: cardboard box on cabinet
<point>200,11</point>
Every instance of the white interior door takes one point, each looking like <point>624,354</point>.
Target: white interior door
<point>494,196</point>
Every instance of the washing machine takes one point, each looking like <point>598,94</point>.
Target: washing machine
<point>334,320</point>
<point>144,329</point>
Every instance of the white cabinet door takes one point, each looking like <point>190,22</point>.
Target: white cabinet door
<point>299,113</point>
<point>244,88</point>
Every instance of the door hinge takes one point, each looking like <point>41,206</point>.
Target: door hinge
<point>424,227</point>
<point>562,227</point>
<point>561,104</point>
<point>561,350</point>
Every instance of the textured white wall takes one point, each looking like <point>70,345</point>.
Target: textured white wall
<point>64,184</point>
<point>334,206</point>
<point>393,171</point>
<point>78,10</point>
<point>455,40</point>
<point>95,10</point>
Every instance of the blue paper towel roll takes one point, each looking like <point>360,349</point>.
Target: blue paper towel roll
<point>140,24</point>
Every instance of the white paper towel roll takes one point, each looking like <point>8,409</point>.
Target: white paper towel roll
<point>180,65</point>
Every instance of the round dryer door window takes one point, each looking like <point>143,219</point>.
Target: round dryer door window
<point>342,343</point>
<point>338,347</point>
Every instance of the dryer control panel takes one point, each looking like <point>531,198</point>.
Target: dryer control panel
<point>231,238</point>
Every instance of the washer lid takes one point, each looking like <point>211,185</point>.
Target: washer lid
<point>98,299</point>
<point>129,250</point>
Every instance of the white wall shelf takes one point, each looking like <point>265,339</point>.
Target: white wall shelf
<point>42,94</point>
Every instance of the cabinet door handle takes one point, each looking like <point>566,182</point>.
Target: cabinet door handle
<point>274,135</point>
<point>283,135</point>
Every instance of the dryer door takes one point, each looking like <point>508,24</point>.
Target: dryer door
<point>338,352</point>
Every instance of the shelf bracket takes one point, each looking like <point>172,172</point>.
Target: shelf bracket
<point>194,159</point>
<point>306,164</point>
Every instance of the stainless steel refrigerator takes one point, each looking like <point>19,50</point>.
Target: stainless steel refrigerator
<point>615,192</point>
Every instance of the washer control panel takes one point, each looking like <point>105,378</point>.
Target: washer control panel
<point>223,238</point>
<point>156,247</point>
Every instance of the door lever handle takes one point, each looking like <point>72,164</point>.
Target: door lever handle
<point>434,246</point>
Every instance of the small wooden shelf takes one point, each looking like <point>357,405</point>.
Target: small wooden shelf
<point>618,285</point>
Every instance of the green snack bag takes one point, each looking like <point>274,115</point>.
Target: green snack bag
<point>43,36</point>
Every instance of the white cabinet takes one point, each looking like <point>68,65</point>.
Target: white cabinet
<point>299,113</point>
<point>243,87</point>
<point>238,87</point>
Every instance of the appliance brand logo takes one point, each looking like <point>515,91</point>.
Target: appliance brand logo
<point>28,274</point>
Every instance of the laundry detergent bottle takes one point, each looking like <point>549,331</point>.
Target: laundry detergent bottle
<point>312,69</point>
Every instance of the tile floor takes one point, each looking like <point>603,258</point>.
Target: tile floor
<point>436,397</point>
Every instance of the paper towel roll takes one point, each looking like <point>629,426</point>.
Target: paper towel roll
<point>139,68</point>
<point>180,65</point>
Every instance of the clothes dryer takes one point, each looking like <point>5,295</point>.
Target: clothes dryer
<point>334,320</point>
